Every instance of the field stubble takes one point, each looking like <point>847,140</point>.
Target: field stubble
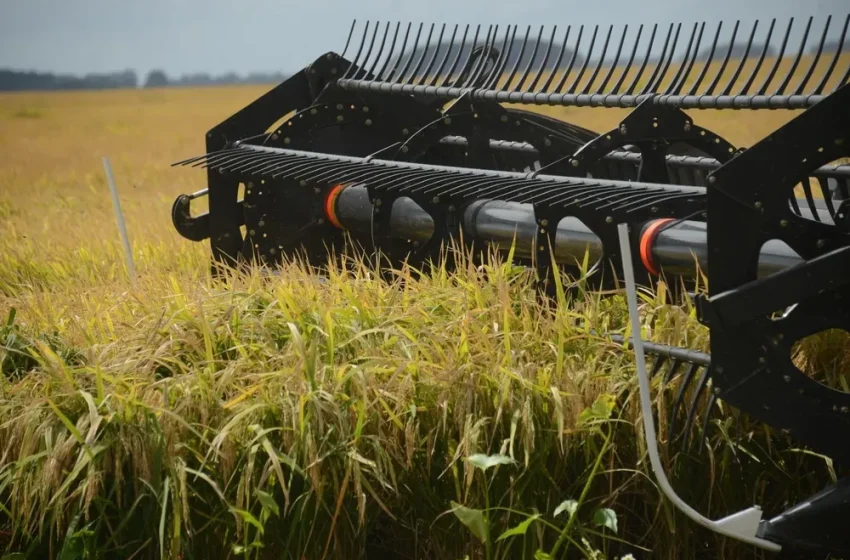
<point>177,418</point>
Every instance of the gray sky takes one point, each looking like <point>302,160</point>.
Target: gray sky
<point>217,36</point>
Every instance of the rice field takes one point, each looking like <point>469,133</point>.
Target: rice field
<point>440,415</point>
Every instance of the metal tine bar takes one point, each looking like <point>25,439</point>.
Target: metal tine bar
<point>711,400</point>
<point>662,66</point>
<point>468,58</point>
<point>461,190</point>
<point>560,87</point>
<point>824,187</point>
<point>272,165</point>
<point>800,51</point>
<point>442,65</point>
<point>545,60</point>
<point>671,372</point>
<point>367,57</point>
<point>380,74</point>
<point>448,187</point>
<point>498,188</point>
<point>557,65</point>
<point>502,59</point>
<point>286,168</point>
<point>531,58</point>
<point>249,166</point>
<point>692,408</point>
<point>794,206</point>
<point>845,79</point>
<point>527,193</point>
<point>811,70</point>
<point>679,73</point>
<point>651,200</point>
<point>466,69</point>
<point>355,173</point>
<point>371,72</point>
<point>517,61</point>
<point>769,78</point>
<point>726,58</point>
<point>615,198</point>
<point>420,180</point>
<point>186,162</point>
<point>680,395</point>
<point>656,367</point>
<point>643,64</point>
<point>434,56</point>
<point>601,61</point>
<point>807,190</point>
<point>572,195</point>
<point>399,78</point>
<point>405,186</point>
<point>634,203</point>
<point>835,57</point>
<point>281,163</point>
<point>418,66</point>
<point>576,82</point>
<point>302,171</point>
<point>451,71</point>
<point>445,186</point>
<point>746,87</point>
<point>223,163</point>
<point>728,89</point>
<point>348,40</point>
<point>631,61</point>
<point>481,63</point>
<point>678,88</point>
<point>222,157</point>
<point>356,61</point>
<point>397,58</point>
<point>708,61</point>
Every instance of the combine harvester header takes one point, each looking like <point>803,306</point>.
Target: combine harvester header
<point>414,136</point>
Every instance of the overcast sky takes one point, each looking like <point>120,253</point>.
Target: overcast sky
<point>217,36</point>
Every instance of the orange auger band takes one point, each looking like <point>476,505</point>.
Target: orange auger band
<point>330,205</point>
<point>646,241</point>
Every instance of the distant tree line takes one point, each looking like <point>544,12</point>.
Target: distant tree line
<point>15,80</point>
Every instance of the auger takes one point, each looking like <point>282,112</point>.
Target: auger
<point>417,140</point>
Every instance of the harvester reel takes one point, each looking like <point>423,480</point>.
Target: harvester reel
<point>406,147</point>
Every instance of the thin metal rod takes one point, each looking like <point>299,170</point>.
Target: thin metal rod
<point>736,526</point>
<point>119,217</point>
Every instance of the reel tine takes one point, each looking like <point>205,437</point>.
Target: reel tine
<point>542,67</point>
<point>835,57</point>
<point>702,383</point>
<point>746,56</point>
<point>680,396</point>
<point>746,87</point>
<point>816,59</point>
<point>800,51</point>
<point>635,82</point>
<point>671,371</point>
<point>779,58</point>
<point>656,367</point>
<point>705,418</point>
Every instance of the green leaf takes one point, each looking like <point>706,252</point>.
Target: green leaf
<point>473,519</point>
<point>570,506</point>
<point>519,529</point>
<point>248,518</point>
<point>540,555</point>
<point>484,462</point>
<point>268,502</point>
<point>605,518</point>
<point>601,409</point>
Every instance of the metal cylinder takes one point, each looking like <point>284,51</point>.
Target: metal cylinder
<point>674,249</point>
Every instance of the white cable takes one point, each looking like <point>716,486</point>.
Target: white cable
<point>743,525</point>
